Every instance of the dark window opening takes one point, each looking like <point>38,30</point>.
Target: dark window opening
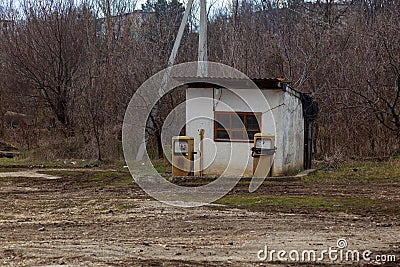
<point>239,126</point>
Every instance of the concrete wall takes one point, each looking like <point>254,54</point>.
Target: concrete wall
<point>282,118</point>
<point>292,133</point>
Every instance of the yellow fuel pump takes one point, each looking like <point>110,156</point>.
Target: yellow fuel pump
<point>263,154</point>
<point>182,155</point>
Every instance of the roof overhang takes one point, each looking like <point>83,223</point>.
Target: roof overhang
<point>232,83</point>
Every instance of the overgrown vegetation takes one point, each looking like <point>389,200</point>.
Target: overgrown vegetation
<point>360,171</point>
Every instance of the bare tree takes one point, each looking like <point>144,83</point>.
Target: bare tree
<point>46,49</point>
<point>82,64</point>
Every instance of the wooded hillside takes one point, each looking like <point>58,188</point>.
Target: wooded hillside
<point>74,67</point>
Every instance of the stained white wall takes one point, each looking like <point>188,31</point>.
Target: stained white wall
<point>281,116</point>
<point>291,156</point>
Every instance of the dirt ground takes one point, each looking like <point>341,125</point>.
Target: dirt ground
<point>52,221</point>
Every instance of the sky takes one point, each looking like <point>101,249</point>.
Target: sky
<point>139,4</point>
<point>214,2</point>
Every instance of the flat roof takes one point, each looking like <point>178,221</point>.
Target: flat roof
<point>233,83</point>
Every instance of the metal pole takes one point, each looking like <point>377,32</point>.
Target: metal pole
<point>180,33</point>
<point>175,49</point>
<point>201,151</point>
<point>171,61</point>
<point>202,69</point>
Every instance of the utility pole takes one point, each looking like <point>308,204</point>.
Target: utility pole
<point>202,57</point>
<point>202,69</point>
<point>202,52</point>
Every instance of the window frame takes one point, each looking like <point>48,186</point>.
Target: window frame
<point>258,115</point>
